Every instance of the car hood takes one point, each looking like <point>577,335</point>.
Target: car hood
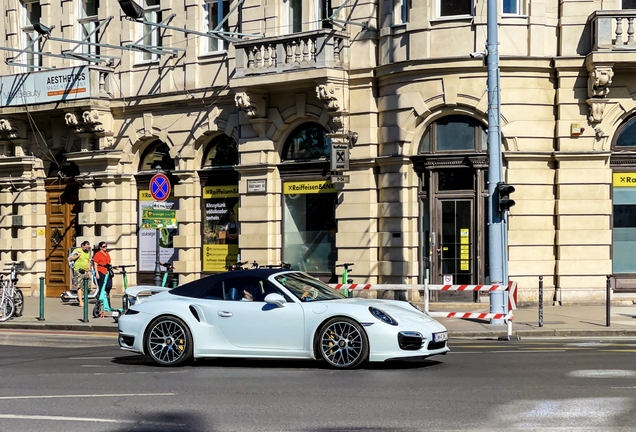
<point>402,311</point>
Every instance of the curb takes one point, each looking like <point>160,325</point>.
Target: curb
<point>60,327</point>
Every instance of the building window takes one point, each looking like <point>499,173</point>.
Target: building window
<point>221,152</point>
<point>309,141</point>
<point>293,16</point>
<point>626,136</point>
<point>31,14</point>
<point>323,11</point>
<point>215,12</point>
<point>88,21</point>
<point>628,4</point>
<point>309,222</point>
<point>454,134</point>
<point>157,155</point>
<point>514,7</point>
<point>152,14</point>
<point>401,11</point>
<point>455,8</point>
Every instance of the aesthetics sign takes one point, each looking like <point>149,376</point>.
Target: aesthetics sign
<point>56,85</point>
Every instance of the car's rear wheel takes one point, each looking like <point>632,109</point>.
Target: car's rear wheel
<point>343,343</point>
<point>168,341</point>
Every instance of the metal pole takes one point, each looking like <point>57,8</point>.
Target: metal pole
<point>608,300</point>
<point>85,300</point>
<point>41,318</point>
<point>495,223</point>
<point>540,301</point>
<point>157,259</point>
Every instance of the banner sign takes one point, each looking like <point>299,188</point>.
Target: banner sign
<point>45,86</point>
<point>309,187</point>
<point>220,227</point>
<point>152,218</point>
<point>146,238</point>
<point>624,179</point>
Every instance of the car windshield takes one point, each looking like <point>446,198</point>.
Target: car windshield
<point>307,288</point>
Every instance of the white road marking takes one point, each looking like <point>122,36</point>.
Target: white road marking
<point>85,419</point>
<point>92,366</point>
<point>91,358</point>
<point>85,396</point>
<point>602,373</point>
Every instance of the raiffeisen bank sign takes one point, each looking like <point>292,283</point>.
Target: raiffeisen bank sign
<point>45,86</point>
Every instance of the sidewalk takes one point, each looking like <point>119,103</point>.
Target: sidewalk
<point>557,320</point>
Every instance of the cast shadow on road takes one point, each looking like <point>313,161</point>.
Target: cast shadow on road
<point>141,360</point>
<point>168,422</point>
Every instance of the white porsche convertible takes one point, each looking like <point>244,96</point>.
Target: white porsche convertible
<point>274,313</point>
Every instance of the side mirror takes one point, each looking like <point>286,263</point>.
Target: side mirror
<point>275,299</point>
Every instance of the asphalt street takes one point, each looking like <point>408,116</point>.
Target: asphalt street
<point>83,382</point>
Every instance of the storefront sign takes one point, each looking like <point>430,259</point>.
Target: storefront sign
<point>464,263</point>
<point>624,179</point>
<point>147,240</point>
<point>45,86</point>
<point>309,187</point>
<point>339,157</point>
<point>220,227</point>
<point>152,218</point>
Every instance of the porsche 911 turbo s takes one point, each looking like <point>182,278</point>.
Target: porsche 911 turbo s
<point>276,314</point>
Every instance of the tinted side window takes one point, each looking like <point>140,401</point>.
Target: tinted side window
<point>217,292</point>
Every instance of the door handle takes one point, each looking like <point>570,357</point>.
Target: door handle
<point>225,314</point>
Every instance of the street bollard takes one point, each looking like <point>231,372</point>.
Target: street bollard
<point>608,300</point>
<point>540,301</point>
<point>85,300</point>
<point>41,318</point>
<point>175,282</point>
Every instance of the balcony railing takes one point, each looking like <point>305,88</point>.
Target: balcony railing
<point>613,30</point>
<point>314,49</point>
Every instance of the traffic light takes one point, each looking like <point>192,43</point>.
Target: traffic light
<point>503,195</point>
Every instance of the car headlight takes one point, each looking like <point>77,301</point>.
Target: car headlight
<point>383,316</point>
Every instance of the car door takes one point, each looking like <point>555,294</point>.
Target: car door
<point>256,324</point>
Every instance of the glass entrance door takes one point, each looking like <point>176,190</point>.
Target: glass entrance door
<point>455,246</point>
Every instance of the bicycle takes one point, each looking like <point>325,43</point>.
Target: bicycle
<point>345,278</point>
<point>6,301</point>
<point>15,292</point>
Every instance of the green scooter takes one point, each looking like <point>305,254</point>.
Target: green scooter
<point>102,304</point>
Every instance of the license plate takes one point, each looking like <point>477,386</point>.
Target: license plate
<point>440,337</point>
<point>115,314</point>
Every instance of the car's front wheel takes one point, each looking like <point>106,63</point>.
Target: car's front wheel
<point>168,341</point>
<point>343,343</point>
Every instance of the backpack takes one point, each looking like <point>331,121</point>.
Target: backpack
<point>71,264</point>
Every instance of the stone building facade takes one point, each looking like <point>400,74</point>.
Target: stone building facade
<point>242,123</point>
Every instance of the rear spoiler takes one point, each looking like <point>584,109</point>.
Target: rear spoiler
<point>138,293</point>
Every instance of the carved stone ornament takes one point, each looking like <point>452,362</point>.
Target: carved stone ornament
<point>7,128</point>
<point>327,93</point>
<point>255,106</point>
<point>74,122</point>
<point>597,107</point>
<point>599,81</point>
<point>91,118</point>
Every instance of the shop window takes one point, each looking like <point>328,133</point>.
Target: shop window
<point>624,225</point>
<point>454,134</point>
<point>309,141</point>
<point>157,155</point>
<point>221,152</point>
<point>221,226</point>
<point>310,225</point>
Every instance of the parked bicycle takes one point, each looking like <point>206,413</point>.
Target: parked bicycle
<point>13,291</point>
<point>6,300</point>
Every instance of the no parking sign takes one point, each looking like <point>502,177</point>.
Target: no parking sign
<point>160,187</point>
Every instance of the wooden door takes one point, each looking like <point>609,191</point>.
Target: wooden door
<point>61,213</point>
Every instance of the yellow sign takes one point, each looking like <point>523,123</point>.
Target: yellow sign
<point>463,240</point>
<point>464,256</point>
<point>229,191</point>
<point>463,265</point>
<point>620,179</point>
<point>463,232</point>
<point>216,257</point>
<point>309,187</point>
<point>41,231</point>
<point>144,195</point>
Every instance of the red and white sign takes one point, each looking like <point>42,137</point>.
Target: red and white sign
<point>160,187</point>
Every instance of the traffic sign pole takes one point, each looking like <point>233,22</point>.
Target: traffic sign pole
<point>160,191</point>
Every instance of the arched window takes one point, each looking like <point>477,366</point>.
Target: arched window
<point>157,154</point>
<point>222,151</point>
<point>626,136</point>
<point>455,133</point>
<point>308,141</point>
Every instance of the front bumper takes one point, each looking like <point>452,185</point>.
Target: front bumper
<point>411,342</point>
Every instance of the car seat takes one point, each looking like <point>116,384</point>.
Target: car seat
<point>234,294</point>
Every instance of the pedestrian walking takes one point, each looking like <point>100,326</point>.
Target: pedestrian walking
<point>101,261</point>
<point>80,258</point>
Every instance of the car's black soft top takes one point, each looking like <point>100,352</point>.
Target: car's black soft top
<point>197,288</point>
